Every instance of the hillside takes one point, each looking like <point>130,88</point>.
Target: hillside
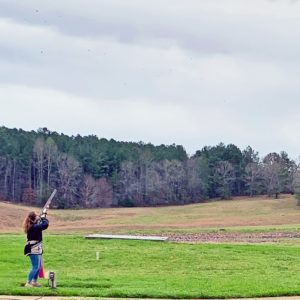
<point>196,221</point>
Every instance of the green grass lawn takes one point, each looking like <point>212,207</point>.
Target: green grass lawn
<point>153,269</point>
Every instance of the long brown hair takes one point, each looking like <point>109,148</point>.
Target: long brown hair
<point>28,221</point>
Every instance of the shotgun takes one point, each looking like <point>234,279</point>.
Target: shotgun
<point>47,204</point>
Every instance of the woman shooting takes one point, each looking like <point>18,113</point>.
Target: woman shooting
<point>33,226</point>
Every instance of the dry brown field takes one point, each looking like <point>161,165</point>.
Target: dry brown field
<point>256,219</point>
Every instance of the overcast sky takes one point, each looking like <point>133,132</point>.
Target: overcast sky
<point>192,72</point>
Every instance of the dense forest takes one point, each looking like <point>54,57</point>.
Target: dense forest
<point>91,172</point>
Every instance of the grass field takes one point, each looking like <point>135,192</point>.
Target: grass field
<point>153,269</point>
<point>161,270</point>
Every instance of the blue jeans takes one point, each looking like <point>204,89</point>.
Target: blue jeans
<point>36,260</point>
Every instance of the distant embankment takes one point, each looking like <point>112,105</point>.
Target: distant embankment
<point>235,214</point>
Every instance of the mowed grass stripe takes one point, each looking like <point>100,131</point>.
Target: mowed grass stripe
<point>153,269</point>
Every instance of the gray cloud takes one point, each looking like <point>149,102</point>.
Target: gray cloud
<point>190,72</point>
<point>203,27</point>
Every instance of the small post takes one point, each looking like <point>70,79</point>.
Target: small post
<point>97,255</point>
<point>52,280</point>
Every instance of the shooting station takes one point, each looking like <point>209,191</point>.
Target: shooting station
<point>127,237</point>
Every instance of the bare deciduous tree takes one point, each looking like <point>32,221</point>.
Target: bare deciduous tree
<point>253,178</point>
<point>39,160</point>
<point>175,180</point>
<point>224,177</point>
<point>50,156</point>
<point>272,169</point>
<point>69,178</point>
<point>96,192</point>
<point>197,178</point>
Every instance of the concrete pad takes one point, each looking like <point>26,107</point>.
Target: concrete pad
<point>127,237</point>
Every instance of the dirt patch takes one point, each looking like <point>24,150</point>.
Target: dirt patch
<point>234,237</point>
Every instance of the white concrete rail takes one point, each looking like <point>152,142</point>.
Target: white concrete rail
<point>127,237</point>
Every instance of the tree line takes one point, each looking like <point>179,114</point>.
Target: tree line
<point>90,172</point>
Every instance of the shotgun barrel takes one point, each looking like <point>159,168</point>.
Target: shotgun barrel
<point>47,204</point>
